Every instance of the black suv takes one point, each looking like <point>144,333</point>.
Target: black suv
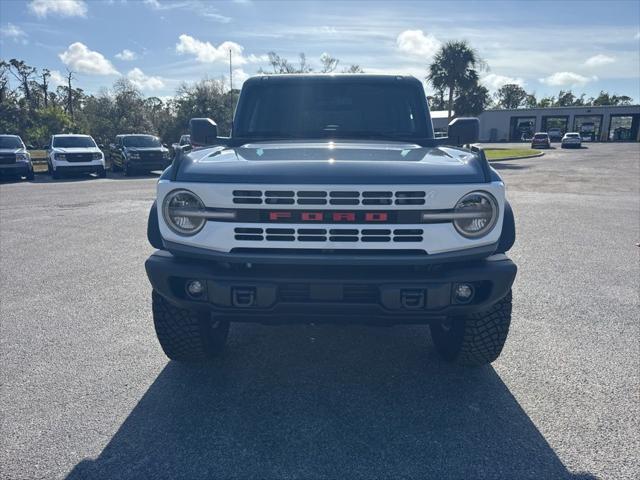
<point>138,152</point>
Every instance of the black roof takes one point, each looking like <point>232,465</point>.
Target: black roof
<point>331,77</point>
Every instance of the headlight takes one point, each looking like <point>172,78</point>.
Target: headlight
<point>475,214</point>
<point>134,156</point>
<point>176,208</point>
<point>60,156</point>
<point>97,156</point>
<point>22,157</point>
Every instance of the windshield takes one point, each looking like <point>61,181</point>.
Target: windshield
<point>73,142</point>
<point>332,109</point>
<point>10,142</point>
<point>573,135</point>
<point>540,136</point>
<point>144,141</point>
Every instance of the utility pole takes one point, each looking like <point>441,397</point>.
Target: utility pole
<point>231,81</point>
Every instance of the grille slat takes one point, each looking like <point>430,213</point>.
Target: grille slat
<point>322,197</point>
<point>346,235</point>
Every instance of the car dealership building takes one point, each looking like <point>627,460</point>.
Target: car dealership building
<point>599,124</point>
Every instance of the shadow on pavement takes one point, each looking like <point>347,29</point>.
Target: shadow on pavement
<point>509,166</point>
<point>330,402</point>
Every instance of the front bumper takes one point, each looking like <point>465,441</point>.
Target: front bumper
<point>76,167</point>
<point>16,169</point>
<point>149,164</point>
<point>288,293</point>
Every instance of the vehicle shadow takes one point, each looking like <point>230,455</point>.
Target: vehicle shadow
<point>499,165</point>
<point>326,402</point>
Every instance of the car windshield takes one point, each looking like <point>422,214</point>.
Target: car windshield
<point>73,142</point>
<point>573,135</point>
<point>9,141</point>
<point>144,141</point>
<point>540,136</point>
<point>332,109</point>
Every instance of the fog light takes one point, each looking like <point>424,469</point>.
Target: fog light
<point>463,292</point>
<point>195,288</point>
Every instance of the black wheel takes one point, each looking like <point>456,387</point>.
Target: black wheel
<point>114,167</point>
<point>30,176</point>
<point>102,172</point>
<point>186,335</point>
<point>55,174</point>
<point>127,171</point>
<point>474,340</point>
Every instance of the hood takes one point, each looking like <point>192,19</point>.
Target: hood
<point>12,150</point>
<point>146,149</point>
<point>340,162</point>
<point>77,150</point>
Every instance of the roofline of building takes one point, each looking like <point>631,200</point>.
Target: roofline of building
<point>559,108</point>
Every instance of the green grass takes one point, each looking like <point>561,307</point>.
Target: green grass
<point>501,153</point>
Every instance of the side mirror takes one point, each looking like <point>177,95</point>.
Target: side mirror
<point>101,146</point>
<point>463,131</point>
<point>204,131</point>
<point>30,147</point>
<point>165,145</point>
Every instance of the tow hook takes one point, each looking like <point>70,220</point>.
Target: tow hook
<point>412,299</point>
<point>243,297</point>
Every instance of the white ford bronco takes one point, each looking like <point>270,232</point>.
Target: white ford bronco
<point>331,201</point>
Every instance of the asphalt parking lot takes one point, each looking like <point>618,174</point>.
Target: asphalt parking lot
<point>86,392</point>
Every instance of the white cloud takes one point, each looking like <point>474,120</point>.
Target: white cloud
<point>599,60</point>
<point>64,8</point>
<point>205,52</point>
<point>78,57</point>
<point>494,81</point>
<point>126,55</point>
<point>239,77</point>
<point>415,42</point>
<point>216,17</point>
<point>144,82</point>
<point>14,32</point>
<point>563,79</point>
<point>637,36</point>
<point>57,78</point>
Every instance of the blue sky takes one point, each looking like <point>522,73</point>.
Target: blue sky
<point>586,46</point>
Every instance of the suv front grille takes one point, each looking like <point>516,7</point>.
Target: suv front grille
<point>321,197</point>
<point>7,158</point>
<point>332,235</point>
<point>151,156</point>
<point>79,157</point>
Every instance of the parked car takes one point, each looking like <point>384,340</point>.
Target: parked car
<point>541,140</point>
<point>15,160</point>
<point>185,140</point>
<point>138,152</point>
<point>555,134</point>
<point>74,153</point>
<point>571,140</point>
<point>290,220</point>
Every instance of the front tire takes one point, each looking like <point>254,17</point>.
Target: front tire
<point>474,340</point>
<point>102,172</point>
<point>186,335</point>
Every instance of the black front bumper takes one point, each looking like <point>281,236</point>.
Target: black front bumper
<point>18,169</point>
<point>339,294</point>
<point>79,169</point>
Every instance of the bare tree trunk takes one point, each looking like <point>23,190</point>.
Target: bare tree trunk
<point>450,103</point>
<point>70,95</point>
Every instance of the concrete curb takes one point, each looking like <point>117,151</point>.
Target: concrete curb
<point>517,158</point>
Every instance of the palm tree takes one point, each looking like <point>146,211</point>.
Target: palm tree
<point>454,68</point>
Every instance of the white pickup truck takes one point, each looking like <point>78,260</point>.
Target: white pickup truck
<point>74,154</point>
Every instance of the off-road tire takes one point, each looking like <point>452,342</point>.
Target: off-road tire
<point>31,176</point>
<point>55,174</point>
<point>185,335</point>
<point>476,339</point>
<point>102,173</point>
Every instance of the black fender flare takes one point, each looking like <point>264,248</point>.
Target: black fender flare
<point>153,228</point>
<point>508,234</point>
